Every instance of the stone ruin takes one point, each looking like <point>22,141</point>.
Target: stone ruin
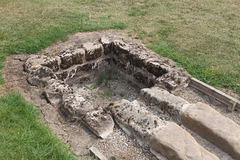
<point>64,74</point>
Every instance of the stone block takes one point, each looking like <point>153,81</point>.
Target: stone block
<point>176,78</point>
<point>165,101</point>
<point>40,76</point>
<point>107,45</point>
<point>52,63</point>
<point>69,58</point>
<point>120,48</point>
<point>156,68</point>
<point>135,120</point>
<point>138,59</point>
<point>173,142</point>
<point>93,51</point>
<point>213,126</point>
<point>75,107</point>
<point>99,122</point>
<point>34,62</point>
<point>55,90</point>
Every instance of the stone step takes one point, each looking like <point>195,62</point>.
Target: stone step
<point>164,101</point>
<point>173,142</point>
<point>164,138</point>
<point>201,118</point>
<point>213,126</point>
<point>135,120</point>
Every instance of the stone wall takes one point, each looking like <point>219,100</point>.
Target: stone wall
<point>131,60</point>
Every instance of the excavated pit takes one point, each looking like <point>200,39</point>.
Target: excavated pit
<point>83,81</point>
<point>118,91</point>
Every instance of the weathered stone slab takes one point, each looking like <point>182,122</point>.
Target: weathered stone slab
<point>55,90</point>
<point>34,62</point>
<point>213,126</point>
<point>52,63</point>
<point>231,102</point>
<point>76,107</point>
<point>173,142</point>
<point>176,78</point>
<point>40,76</point>
<point>99,122</point>
<point>97,153</point>
<point>156,68</point>
<point>164,100</point>
<point>70,58</point>
<point>93,51</point>
<point>107,45</point>
<point>135,120</point>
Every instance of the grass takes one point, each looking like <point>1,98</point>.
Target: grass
<point>203,37</point>
<point>24,136</point>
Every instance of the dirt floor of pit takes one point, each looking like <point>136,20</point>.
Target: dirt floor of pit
<point>76,135</point>
<point>110,89</point>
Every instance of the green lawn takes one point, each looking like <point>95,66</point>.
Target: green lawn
<point>201,36</point>
<point>24,136</point>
